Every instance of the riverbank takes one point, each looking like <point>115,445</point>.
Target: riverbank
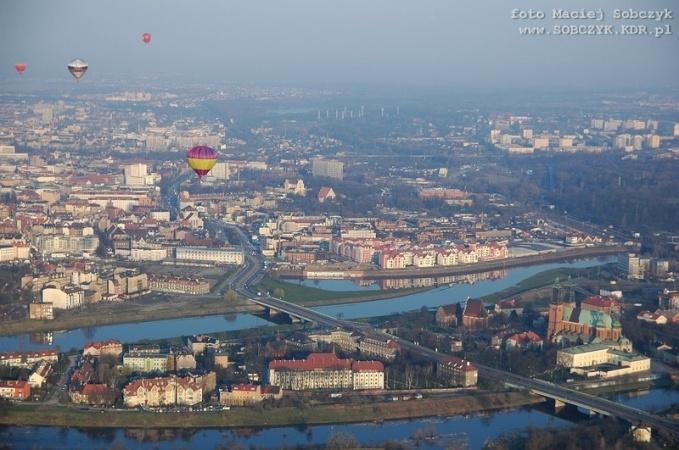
<point>119,313</point>
<point>311,296</point>
<point>42,415</point>
<point>462,269</point>
<point>542,280</point>
<point>181,307</point>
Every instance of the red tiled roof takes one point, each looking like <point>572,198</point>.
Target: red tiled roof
<point>602,302</point>
<point>34,354</point>
<point>244,388</point>
<point>509,304</point>
<point>475,308</point>
<point>324,192</point>
<point>14,384</point>
<point>100,344</point>
<point>161,382</point>
<point>527,336</point>
<point>367,366</point>
<point>313,362</point>
<point>93,389</point>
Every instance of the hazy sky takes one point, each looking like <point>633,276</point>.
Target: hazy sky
<point>425,42</point>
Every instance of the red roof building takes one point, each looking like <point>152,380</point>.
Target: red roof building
<point>15,389</point>
<point>475,315</point>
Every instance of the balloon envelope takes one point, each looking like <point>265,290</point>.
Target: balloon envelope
<point>201,159</point>
<point>146,37</point>
<point>20,67</point>
<point>77,67</point>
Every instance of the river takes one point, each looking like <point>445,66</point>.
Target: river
<point>474,430</point>
<point>162,329</point>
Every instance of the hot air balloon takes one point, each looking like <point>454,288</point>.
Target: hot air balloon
<point>20,67</point>
<point>201,159</point>
<point>77,67</point>
<point>146,37</point>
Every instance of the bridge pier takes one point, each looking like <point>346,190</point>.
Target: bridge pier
<point>559,406</point>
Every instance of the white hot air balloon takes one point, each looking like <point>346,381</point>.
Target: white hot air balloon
<point>77,67</point>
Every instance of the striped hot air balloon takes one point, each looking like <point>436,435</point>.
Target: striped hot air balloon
<point>201,159</point>
<point>77,67</point>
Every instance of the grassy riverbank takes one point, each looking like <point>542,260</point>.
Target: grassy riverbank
<point>117,313</point>
<point>311,296</point>
<point>34,415</point>
<point>541,280</point>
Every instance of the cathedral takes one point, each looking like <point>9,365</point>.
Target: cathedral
<point>593,318</point>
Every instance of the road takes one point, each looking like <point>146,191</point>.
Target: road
<point>247,277</point>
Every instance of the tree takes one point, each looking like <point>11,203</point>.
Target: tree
<point>342,440</point>
<point>231,296</point>
<point>279,293</point>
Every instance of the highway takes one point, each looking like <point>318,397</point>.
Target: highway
<point>247,277</point>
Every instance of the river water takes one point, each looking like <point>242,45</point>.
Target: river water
<point>162,329</point>
<point>473,430</point>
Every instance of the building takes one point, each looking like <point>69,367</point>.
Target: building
<point>68,297</point>
<point>602,361</point>
<point>201,342</point>
<point>39,376</point>
<point>221,359</point>
<point>367,375</point>
<point>137,175</point>
<point>111,347</point>
<point>51,244</point>
<point>327,168</point>
<point>458,372</point>
<point>41,311</point>
<point>15,389</point>
<point>326,194</point>
<point>295,187</point>
<point>28,359</point>
<point>163,391</point>
<point>92,394</point>
<point>635,266</point>
<point>248,394</point>
<point>179,285</point>
<point>475,315</point>
<point>525,340</point>
<point>593,317</point>
<point>326,371</point>
<point>215,255</point>
<point>15,251</point>
<point>346,340</point>
<point>385,349</point>
<point>652,317</point>
<point>446,316</point>
<point>146,362</point>
<point>181,360</point>
<point>130,282</point>
<point>668,299</point>
<point>508,307</point>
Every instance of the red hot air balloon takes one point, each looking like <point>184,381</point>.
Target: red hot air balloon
<point>201,159</point>
<point>146,37</point>
<point>20,67</point>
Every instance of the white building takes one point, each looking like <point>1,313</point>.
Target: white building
<point>68,297</point>
<point>217,255</point>
<point>137,175</point>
